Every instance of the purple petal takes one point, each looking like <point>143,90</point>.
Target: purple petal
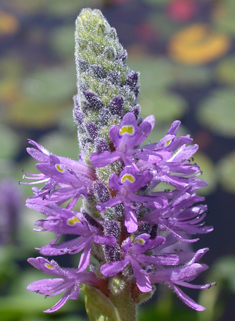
<point>60,303</point>
<point>186,299</point>
<point>142,279</point>
<point>113,268</point>
<point>131,221</point>
<point>101,160</point>
<point>85,257</point>
<point>46,286</point>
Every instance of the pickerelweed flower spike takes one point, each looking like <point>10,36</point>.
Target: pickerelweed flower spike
<point>138,236</point>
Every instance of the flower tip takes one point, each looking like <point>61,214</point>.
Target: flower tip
<point>200,308</point>
<point>30,260</point>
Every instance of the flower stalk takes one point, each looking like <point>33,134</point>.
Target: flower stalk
<point>127,222</point>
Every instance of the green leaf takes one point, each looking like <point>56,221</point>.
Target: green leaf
<point>9,142</point>
<point>190,76</point>
<point>224,20</point>
<point>98,306</point>
<point>209,174</point>
<point>165,106</point>
<point>225,72</point>
<point>160,130</point>
<point>61,144</point>
<point>62,41</point>
<point>51,84</point>
<point>157,2</point>
<point>226,172</point>
<point>155,73</point>
<point>223,272</point>
<point>217,112</point>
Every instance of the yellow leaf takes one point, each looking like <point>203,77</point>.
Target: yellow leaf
<point>198,44</point>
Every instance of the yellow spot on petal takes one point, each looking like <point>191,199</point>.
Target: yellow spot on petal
<point>140,241</point>
<point>73,220</point>
<point>128,177</point>
<point>168,142</point>
<point>127,129</point>
<point>49,266</point>
<point>198,44</point>
<point>59,169</point>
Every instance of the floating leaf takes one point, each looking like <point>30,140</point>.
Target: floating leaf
<point>209,174</point>
<point>98,306</point>
<point>69,7</point>
<point>157,2</point>
<point>61,144</point>
<point>225,72</point>
<point>164,26</point>
<point>51,84</point>
<point>217,112</point>
<point>190,75</point>
<point>62,41</point>
<point>223,16</point>
<point>165,106</point>
<point>198,44</point>
<point>223,272</point>
<point>31,113</point>
<point>155,73</point>
<point>8,24</point>
<point>10,71</point>
<point>160,130</point>
<point>9,142</point>
<point>226,171</point>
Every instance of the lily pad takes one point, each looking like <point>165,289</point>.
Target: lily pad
<point>165,106</point>
<point>209,174</point>
<point>164,26</point>
<point>62,41</point>
<point>30,239</point>
<point>51,84</point>
<point>8,24</point>
<point>30,113</point>
<point>157,2</point>
<point>226,172</point>
<point>70,7</point>
<point>223,17</point>
<point>160,130</point>
<point>9,142</point>
<point>61,144</point>
<point>225,72</point>
<point>155,73</point>
<point>217,112</point>
<point>191,76</point>
<point>223,272</point>
<point>198,44</point>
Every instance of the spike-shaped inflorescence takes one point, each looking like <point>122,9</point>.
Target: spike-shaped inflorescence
<point>138,233</point>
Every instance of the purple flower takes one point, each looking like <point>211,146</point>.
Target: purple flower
<point>66,222</point>
<point>180,215</point>
<point>133,253</point>
<point>126,221</point>
<point>171,155</point>
<point>64,178</point>
<point>68,281</point>
<point>181,276</point>
<point>125,139</point>
<point>126,185</point>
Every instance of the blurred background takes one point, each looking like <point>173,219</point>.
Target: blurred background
<point>185,51</point>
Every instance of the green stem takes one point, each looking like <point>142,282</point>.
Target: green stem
<point>124,304</point>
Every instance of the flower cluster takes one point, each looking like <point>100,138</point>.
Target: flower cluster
<point>127,222</point>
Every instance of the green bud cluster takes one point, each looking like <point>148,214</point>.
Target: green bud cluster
<point>107,87</point>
